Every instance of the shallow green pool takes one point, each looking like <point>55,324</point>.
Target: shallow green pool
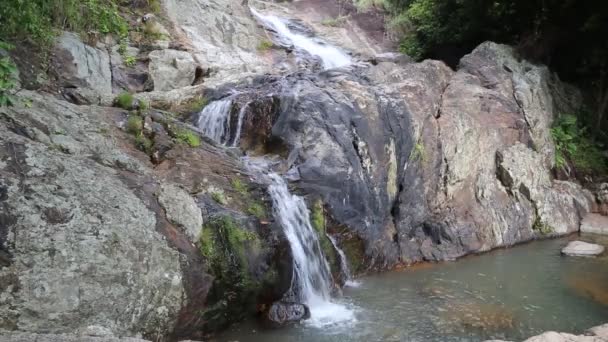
<point>508,294</point>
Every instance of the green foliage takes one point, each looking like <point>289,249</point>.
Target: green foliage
<point>364,5</point>
<point>317,219</point>
<point>188,137</point>
<point>130,61</point>
<point>265,45</point>
<point>219,197</point>
<point>239,186</point>
<point>225,244</point>
<point>143,143</point>
<point>124,100</point>
<point>8,80</point>
<point>257,209</point>
<point>155,6</point>
<point>134,124</point>
<point>38,19</point>
<point>573,145</point>
<point>197,104</point>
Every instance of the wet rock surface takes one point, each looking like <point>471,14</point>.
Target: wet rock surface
<point>280,313</point>
<point>595,223</point>
<point>581,248</point>
<point>595,334</point>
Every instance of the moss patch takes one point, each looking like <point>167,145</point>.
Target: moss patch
<point>318,221</point>
<point>134,124</point>
<point>189,138</point>
<point>225,245</point>
<point>257,209</point>
<point>355,253</point>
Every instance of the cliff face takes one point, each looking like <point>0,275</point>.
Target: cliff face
<point>127,222</point>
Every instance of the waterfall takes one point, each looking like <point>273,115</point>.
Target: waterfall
<point>214,120</point>
<point>343,264</point>
<point>331,56</point>
<point>312,280</point>
<point>239,125</point>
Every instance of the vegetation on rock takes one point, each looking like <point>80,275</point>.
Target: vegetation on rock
<point>189,138</point>
<point>8,78</point>
<point>124,101</point>
<point>38,19</point>
<point>225,244</point>
<point>575,147</point>
<point>571,37</point>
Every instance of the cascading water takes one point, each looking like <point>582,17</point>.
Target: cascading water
<point>239,125</point>
<point>344,264</point>
<point>331,56</point>
<point>312,280</point>
<point>214,119</point>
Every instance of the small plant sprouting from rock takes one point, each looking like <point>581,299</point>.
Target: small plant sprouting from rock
<point>124,101</point>
<point>130,61</point>
<point>134,124</point>
<point>265,45</point>
<point>239,186</point>
<point>189,138</point>
<point>257,209</point>
<point>143,143</point>
<point>219,197</point>
<point>155,6</point>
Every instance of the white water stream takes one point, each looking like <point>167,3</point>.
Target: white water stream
<point>331,56</point>
<point>312,281</point>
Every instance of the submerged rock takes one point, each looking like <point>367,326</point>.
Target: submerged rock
<point>281,313</point>
<point>596,334</point>
<point>580,248</point>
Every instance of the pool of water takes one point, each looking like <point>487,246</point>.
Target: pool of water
<point>508,294</point>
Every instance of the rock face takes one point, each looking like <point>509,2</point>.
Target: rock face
<point>595,223</point>
<point>171,69</point>
<point>580,248</point>
<point>223,34</point>
<point>83,67</point>
<point>91,235</point>
<point>423,163</point>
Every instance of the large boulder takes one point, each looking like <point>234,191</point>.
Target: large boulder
<point>79,246</point>
<point>223,35</point>
<point>581,248</point>
<point>418,161</point>
<point>171,69</point>
<point>81,70</point>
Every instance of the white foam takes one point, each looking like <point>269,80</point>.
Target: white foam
<point>331,56</point>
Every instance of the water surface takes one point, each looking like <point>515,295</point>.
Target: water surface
<point>508,294</point>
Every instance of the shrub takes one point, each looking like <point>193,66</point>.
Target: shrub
<point>130,61</point>
<point>574,146</point>
<point>124,101</point>
<point>8,80</point>
<point>189,138</point>
<point>154,6</point>
<point>38,19</point>
<point>134,124</point>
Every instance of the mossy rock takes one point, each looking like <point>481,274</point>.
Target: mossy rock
<point>230,249</point>
<point>319,223</point>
